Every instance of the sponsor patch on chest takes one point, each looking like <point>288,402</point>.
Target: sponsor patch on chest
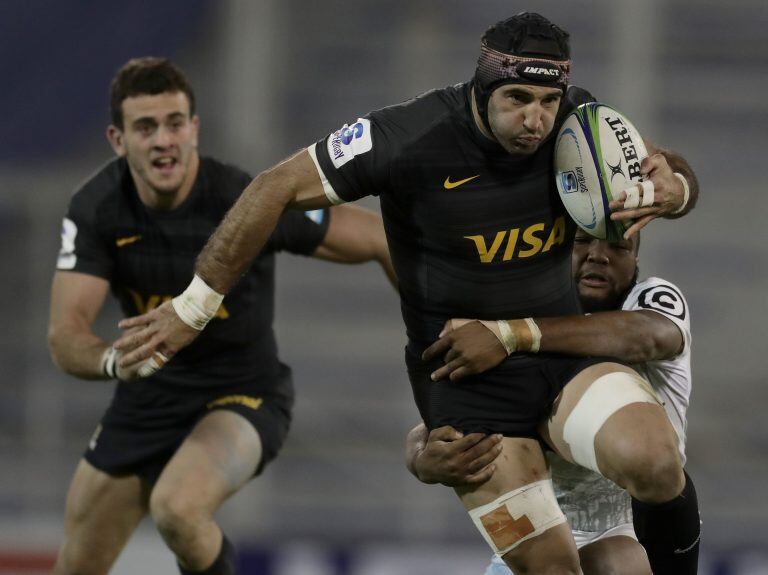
<point>519,243</point>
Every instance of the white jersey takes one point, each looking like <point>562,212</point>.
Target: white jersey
<point>592,503</point>
<point>670,378</point>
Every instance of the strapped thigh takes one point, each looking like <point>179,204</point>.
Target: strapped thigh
<point>604,397</point>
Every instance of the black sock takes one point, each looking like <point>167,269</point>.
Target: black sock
<point>223,565</point>
<point>670,532</point>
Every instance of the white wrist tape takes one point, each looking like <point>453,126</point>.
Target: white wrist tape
<point>507,336</point>
<point>686,193</point>
<point>109,362</point>
<point>197,305</point>
<point>521,335</point>
<point>535,335</point>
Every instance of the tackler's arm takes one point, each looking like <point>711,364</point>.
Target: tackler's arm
<point>469,347</point>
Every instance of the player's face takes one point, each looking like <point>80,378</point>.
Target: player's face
<point>159,140</point>
<point>522,116</point>
<point>603,271</point>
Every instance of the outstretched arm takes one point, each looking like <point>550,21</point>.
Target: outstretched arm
<point>670,197</point>
<point>229,251</point>
<point>247,226</point>
<point>356,235</point>
<point>469,347</point>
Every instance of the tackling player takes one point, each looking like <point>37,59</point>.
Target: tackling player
<point>476,229</point>
<point>652,331</point>
<point>178,443</point>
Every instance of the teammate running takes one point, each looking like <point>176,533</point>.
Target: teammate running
<point>652,332</point>
<point>178,443</point>
<point>476,229</point>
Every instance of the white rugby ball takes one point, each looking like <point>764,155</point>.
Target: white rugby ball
<point>597,156</point>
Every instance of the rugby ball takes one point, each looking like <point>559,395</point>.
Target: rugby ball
<point>597,155</point>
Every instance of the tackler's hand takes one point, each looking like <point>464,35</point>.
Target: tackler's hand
<point>154,338</point>
<point>468,347</point>
<point>661,193</point>
<point>453,459</point>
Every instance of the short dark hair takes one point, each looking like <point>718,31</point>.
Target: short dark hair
<point>147,76</point>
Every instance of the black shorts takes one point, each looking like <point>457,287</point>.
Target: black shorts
<point>145,424</point>
<point>512,398</point>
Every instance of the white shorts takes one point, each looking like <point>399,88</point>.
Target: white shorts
<point>582,538</point>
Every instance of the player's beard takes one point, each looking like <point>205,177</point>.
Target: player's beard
<point>597,304</point>
<point>611,302</point>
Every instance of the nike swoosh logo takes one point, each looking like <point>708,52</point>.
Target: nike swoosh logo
<point>681,551</point>
<point>120,242</point>
<point>449,185</point>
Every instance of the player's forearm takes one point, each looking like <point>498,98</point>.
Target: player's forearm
<point>243,232</point>
<point>78,353</point>
<point>681,166</point>
<point>628,336</point>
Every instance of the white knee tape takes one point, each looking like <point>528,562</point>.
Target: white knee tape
<point>518,515</point>
<point>605,396</point>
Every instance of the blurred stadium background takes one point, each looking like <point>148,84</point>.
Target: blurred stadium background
<point>272,76</point>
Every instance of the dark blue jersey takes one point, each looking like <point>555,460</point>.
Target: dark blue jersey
<point>473,230</point>
<point>148,257</point>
